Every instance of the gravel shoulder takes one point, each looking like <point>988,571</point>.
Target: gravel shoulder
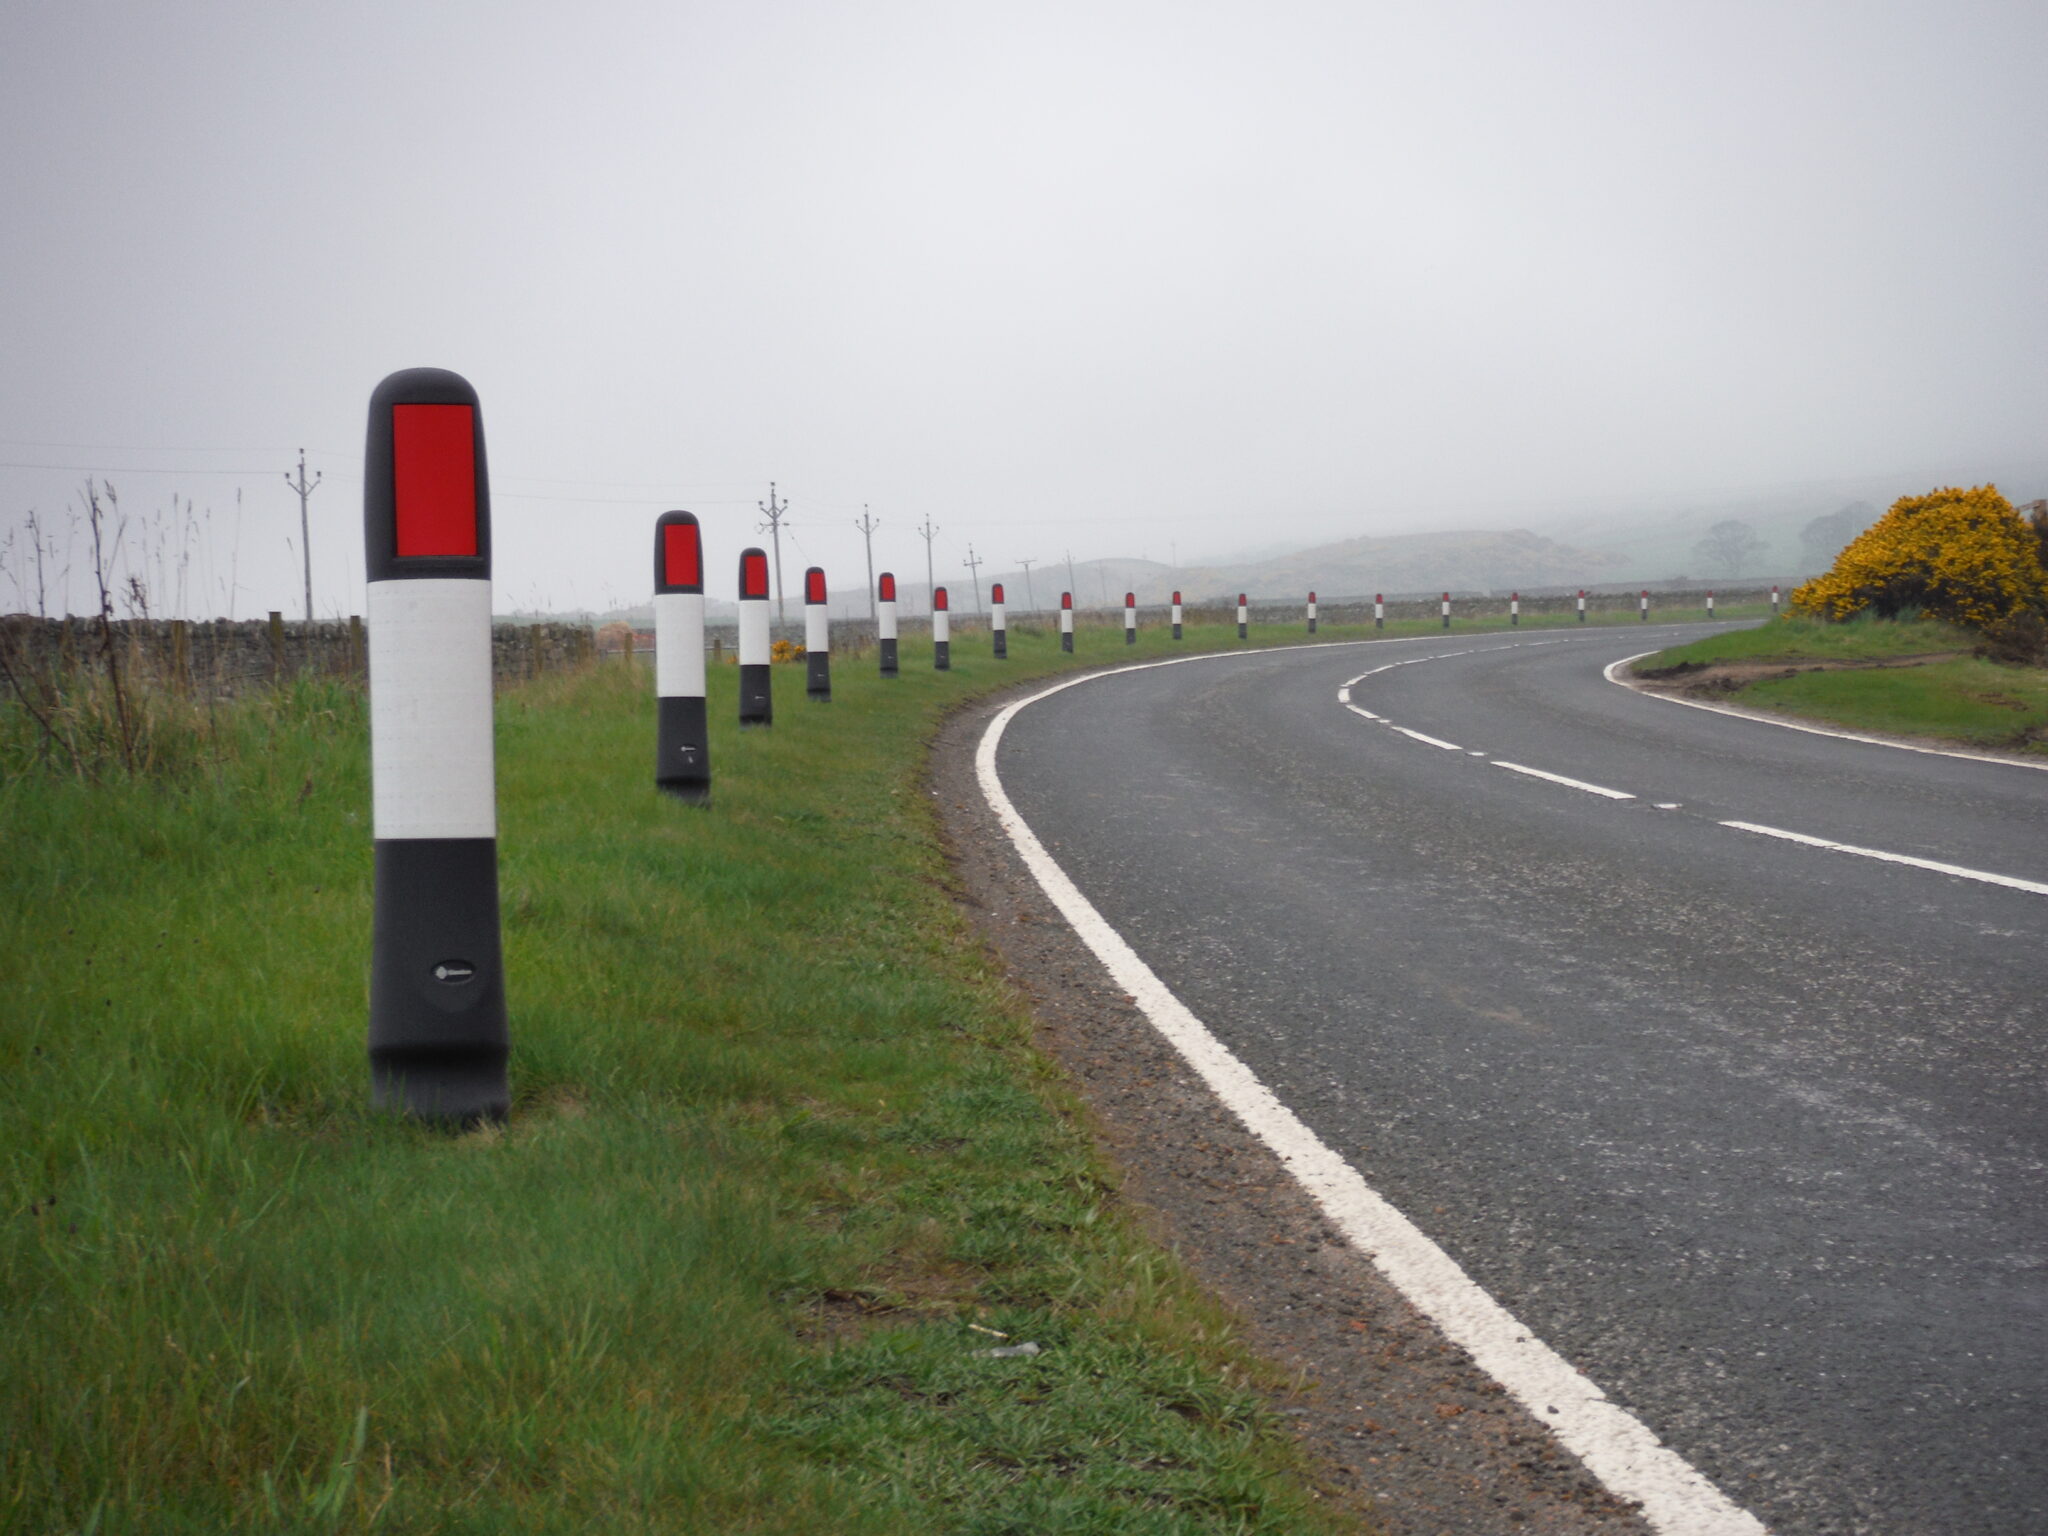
<point>1392,1410</point>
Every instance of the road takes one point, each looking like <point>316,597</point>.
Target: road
<point>1751,1131</point>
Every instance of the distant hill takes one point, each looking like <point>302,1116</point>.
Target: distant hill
<point>1459,561</point>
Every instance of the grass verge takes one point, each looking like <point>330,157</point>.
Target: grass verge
<point>779,1139</point>
<point>1901,678</point>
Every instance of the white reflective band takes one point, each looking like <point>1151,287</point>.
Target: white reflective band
<point>679,645</point>
<point>885,620</point>
<point>942,625</point>
<point>431,766</point>
<point>1066,621</point>
<point>995,616</point>
<point>817,630</point>
<point>1176,613</point>
<point>753,632</point>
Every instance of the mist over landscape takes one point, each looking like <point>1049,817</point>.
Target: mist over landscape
<point>1469,297</point>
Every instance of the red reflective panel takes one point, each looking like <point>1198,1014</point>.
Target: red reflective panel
<point>433,474</point>
<point>938,599</point>
<point>995,593</point>
<point>814,585</point>
<point>888,587</point>
<point>682,555</point>
<point>1176,597</point>
<point>1240,599</point>
<point>1130,599</point>
<point>754,575</point>
<point>1066,599</point>
<point>1311,597</point>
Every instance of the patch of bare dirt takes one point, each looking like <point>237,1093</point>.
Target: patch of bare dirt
<point>1395,1413</point>
<point>1724,679</point>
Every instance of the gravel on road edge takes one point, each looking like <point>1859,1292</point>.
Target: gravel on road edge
<point>1387,1406</point>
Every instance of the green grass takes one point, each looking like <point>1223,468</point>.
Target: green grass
<point>1801,639</point>
<point>1878,686</point>
<point>1982,703</point>
<point>778,1138</point>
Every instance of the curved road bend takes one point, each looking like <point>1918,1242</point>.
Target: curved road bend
<point>1752,1132</point>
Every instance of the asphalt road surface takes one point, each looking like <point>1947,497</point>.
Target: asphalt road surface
<point>1752,1131</point>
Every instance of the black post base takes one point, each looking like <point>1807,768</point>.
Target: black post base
<point>1447,621</point>
<point>1311,626</point>
<point>1379,623</point>
<point>1243,632</point>
<point>888,653</point>
<point>1067,642</point>
<point>1176,631</point>
<point>942,655</point>
<point>682,758</point>
<point>757,699</point>
<point>1130,637</point>
<point>438,1038</point>
<point>1514,619</point>
<point>1002,645</point>
<point>818,678</point>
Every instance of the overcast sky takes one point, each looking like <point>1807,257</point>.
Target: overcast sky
<point>1173,280</point>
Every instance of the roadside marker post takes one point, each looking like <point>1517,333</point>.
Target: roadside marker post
<point>1311,613</point>
<point>1774,602</point>
<point>1243,617</point>
<point>817,639</point>
<point>1067,622</point>
<point>1130,618</point>
<point>1710,605</point>
<point>998,625</point>
<point>1514,609</point>
<point>1176,615</point>
<point>1379,610</point>
<point>942,632</point>
<point>885,622</point>
<point>438,1041</point>
<point>757,692</point>
<point>1447,610</point>
<point>682,731</point>
<point>1582,605</point>
<point>1646,605</point>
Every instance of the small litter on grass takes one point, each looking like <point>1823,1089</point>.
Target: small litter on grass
<point>994,1333</point>
<point>1009,1351</point>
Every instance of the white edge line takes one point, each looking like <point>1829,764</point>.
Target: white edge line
<point>1984,875</point>
<point>1558,778</point>
<point>1614,1445</point>
<point>1613,675</point>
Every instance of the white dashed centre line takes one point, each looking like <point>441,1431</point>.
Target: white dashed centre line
<point>1428,741</point>
<point>2011,882</point>
<point>1558,778</point>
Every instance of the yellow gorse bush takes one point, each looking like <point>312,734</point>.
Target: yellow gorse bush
<point>1964,556</point>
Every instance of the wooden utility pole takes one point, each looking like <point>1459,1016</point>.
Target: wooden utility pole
<point>1029,596</point>
<point>931,580</point>
<point>867,526</point>
<point>974,563</point>
<point>773,510</point>
<point>305,489</point>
